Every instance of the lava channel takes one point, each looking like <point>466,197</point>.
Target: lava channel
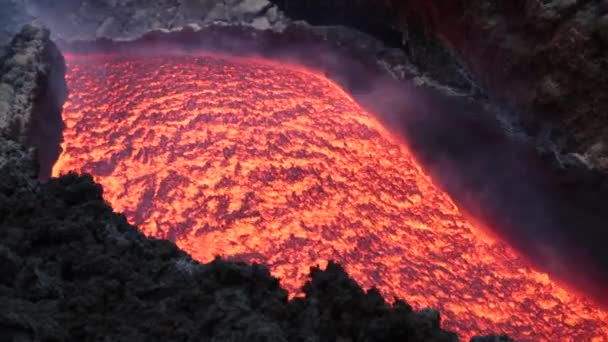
<point>268,163</point>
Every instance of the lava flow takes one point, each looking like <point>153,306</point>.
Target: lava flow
<point>274,164</point>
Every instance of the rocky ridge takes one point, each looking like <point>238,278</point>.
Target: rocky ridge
<point>32,93</point>
<point>130,19</point>
<point>548,58</point>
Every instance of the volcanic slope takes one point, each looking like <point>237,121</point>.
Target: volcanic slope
<point>275,164</point>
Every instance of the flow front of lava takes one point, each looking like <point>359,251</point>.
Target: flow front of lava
<point>269,163</point>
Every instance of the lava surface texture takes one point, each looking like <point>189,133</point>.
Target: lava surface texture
<point>269,163</point>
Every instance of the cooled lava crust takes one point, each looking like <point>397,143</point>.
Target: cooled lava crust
<point>272,163</point>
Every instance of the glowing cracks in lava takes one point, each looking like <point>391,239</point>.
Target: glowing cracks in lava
<point>262,162</point>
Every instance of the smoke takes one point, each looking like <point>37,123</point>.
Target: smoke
<point>555,221</point>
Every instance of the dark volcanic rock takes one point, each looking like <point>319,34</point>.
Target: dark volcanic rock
<point>130,19</point>
<point>32,93</point>
<point>544,56</point>
<point>75,270</point>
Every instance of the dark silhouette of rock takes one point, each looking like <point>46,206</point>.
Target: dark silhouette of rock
<point>122,19</point>
<point>32,93</point>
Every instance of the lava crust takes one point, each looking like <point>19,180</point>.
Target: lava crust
<point>275,164</point>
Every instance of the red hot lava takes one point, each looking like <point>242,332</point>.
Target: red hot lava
<point>275,164</point>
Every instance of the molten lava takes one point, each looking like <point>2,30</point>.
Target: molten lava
<point>275,164</point>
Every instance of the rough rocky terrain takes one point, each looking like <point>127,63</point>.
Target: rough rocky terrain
<point>129,19</point>
<point>32,93</point>
<point>74,270</point>
<point>549,58</point>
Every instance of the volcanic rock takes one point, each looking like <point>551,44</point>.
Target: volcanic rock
<point>130,19</point>
<point>547,61</point>
<point>543,57</point>
<point>32,93</point>
<point>75,270</point>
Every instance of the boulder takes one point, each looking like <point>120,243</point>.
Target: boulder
<point>32,93</point>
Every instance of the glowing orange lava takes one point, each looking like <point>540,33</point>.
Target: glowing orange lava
<point>277,165</point>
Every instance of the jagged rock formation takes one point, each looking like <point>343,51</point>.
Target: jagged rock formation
<point>75,270</point>
<point>127,20</point>
<point>32,93</point>
<point>547,57</point>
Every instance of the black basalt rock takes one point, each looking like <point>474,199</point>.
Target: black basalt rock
<point>32,93</point>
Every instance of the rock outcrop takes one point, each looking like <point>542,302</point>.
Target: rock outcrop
<point>546,57</point>
<point>32,93</point>
<point>74,270</point>
<point>130,19</point>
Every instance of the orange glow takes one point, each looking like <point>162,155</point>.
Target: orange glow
<point>277,165</point>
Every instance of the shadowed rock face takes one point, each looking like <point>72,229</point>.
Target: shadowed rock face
<point>129,19</point>
<point>32,93</point>
<point>74,270</point>
<point>547,57</point>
